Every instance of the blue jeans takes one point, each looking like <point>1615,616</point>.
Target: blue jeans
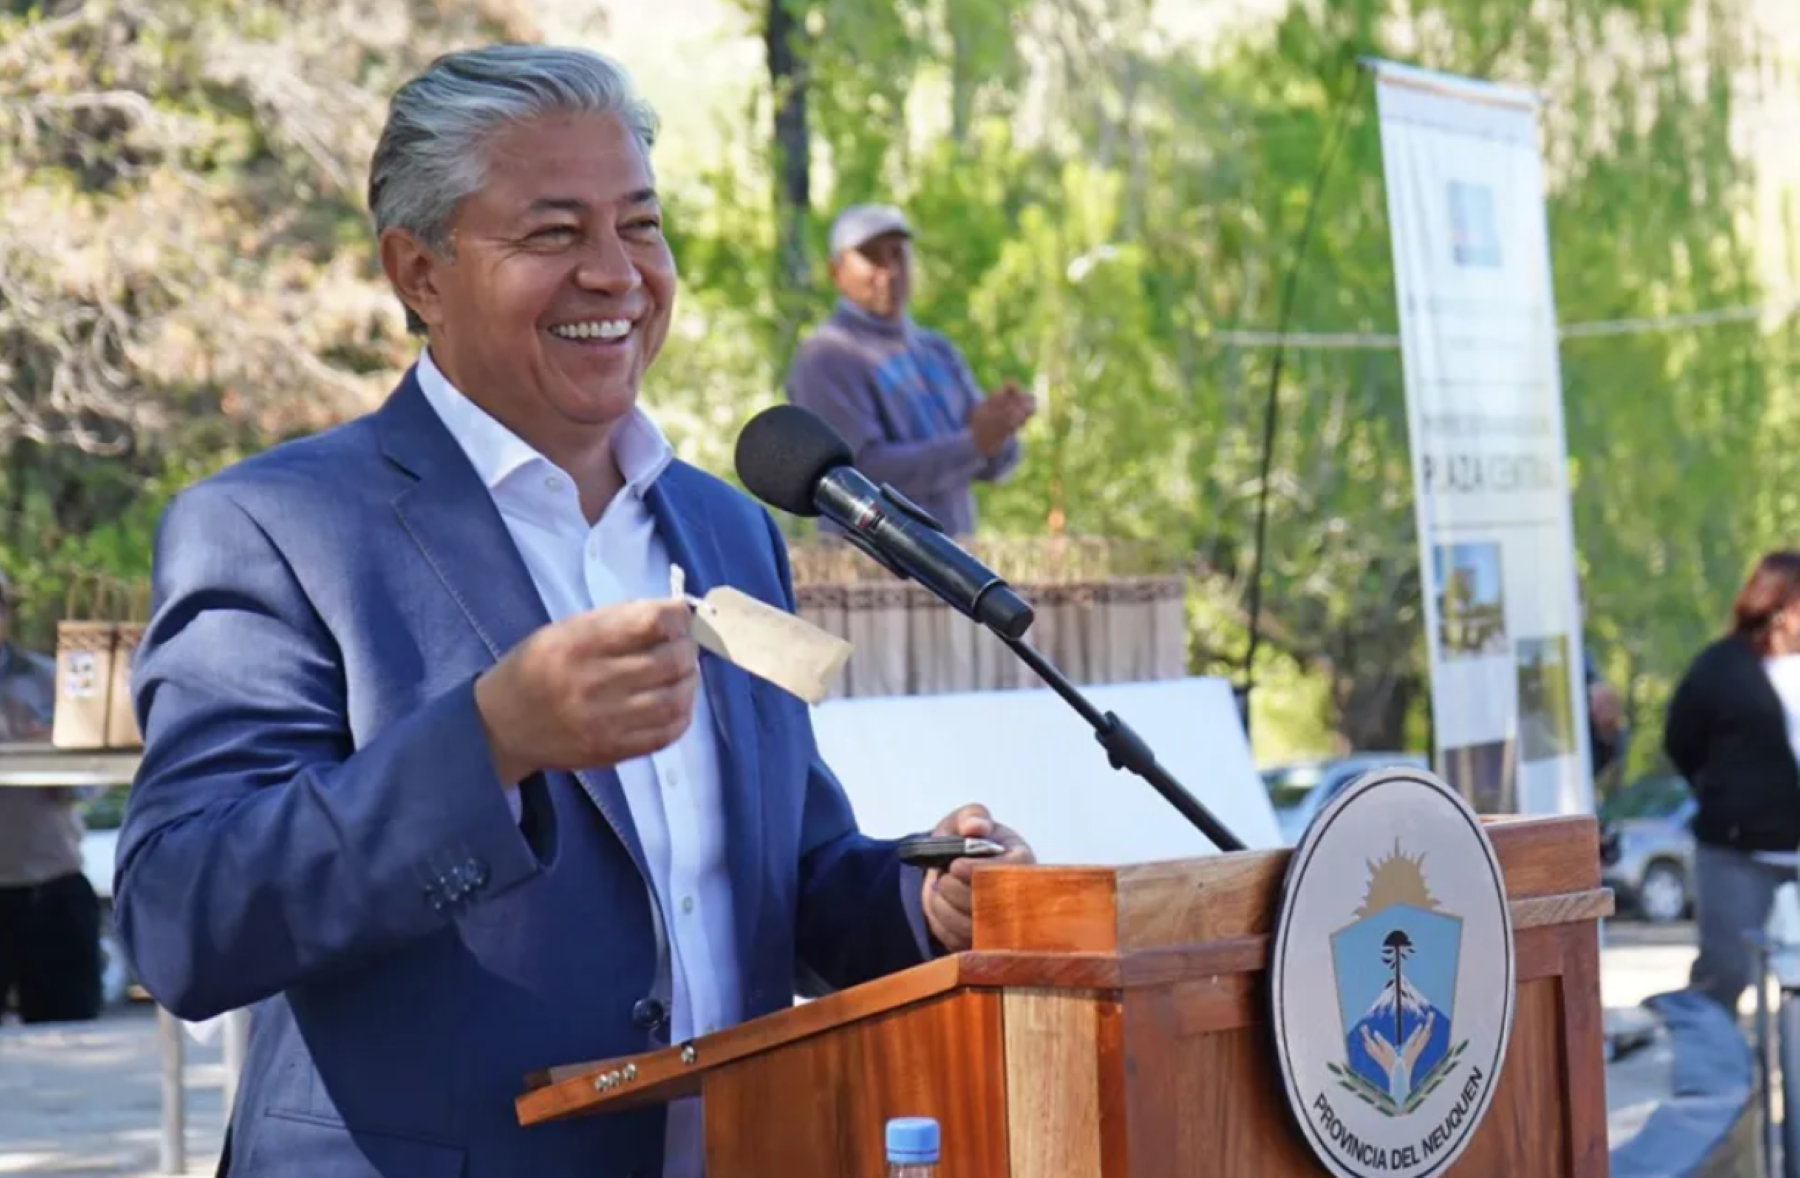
<point>1733,893</point>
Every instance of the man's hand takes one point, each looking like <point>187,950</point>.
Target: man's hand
<point>947,899</point>
<point>998,417</point>
<point>591,690</point>
<point>1021,405</point>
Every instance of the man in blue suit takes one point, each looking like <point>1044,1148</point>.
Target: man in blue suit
<point>434,778</point>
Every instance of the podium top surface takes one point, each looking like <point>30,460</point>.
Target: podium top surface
<point>1203,901</point>
<point>1093,929</point>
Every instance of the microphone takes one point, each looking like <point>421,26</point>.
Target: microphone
<point>792,459</point>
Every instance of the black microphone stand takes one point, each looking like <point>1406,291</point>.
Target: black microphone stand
<point>1125,748</point>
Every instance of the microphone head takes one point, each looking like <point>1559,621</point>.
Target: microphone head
<point>784,452</point>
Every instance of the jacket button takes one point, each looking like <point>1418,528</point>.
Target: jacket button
<point>648,1013</point>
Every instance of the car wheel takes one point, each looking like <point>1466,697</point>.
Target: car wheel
<point>1663,896</point>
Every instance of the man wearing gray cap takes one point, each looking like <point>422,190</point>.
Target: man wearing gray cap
<point>900,394</point>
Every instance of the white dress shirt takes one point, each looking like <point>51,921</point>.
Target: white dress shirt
<point>675,795</point>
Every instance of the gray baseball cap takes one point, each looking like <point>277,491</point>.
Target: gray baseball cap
<point>858,225</point>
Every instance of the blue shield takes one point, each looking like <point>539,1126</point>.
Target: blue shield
<point>1396,989</point>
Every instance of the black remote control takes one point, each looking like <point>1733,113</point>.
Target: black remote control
<point>940,851</point>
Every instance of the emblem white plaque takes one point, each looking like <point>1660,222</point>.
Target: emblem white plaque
<point>1392,977</point>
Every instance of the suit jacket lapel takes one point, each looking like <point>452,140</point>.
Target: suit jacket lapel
<point>452,518</point>
<point>695,547</point>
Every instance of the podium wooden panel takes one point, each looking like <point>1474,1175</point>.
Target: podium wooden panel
<point>1112,1023</point>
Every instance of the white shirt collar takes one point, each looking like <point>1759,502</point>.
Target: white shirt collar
<point>639,447</point>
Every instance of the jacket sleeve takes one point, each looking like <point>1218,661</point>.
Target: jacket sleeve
<point>860,913</point>
<point>1687,720</point>
<point>261,848</point>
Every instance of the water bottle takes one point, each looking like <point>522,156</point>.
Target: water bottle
<point>912,1147</point>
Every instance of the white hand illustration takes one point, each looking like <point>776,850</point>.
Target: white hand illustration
<point>1399,1064</point>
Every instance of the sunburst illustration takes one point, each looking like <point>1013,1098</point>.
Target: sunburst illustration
<point>1397,879</point>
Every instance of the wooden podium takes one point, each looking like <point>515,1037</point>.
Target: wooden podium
<point>1114,1022</point>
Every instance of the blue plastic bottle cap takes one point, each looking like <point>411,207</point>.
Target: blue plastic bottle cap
<point>912,1139</point>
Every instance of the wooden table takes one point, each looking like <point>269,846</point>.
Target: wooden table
<point>43,766</point>
<point>37,764</point>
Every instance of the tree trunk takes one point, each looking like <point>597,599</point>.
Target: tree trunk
<point>784,41</point>
<point>963,81</point>
<point>1399,1003</point>
<point>967,22</point>
<point>20,462</point>
<point>1371,699</point>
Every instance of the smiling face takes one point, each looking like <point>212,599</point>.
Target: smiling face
<point>555,292</point>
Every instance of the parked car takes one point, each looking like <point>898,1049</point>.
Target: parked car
<point>1647,848</point>
<point>1300,789</point>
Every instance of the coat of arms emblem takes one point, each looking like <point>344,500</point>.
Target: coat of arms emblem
<point>1395,968</point>
<point>1392,978</point>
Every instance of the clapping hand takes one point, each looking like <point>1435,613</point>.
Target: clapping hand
<point>1020,405</point>
<point>998,417</point>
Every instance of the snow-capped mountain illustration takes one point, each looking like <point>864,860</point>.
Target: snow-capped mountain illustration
<point>1412,1002</point>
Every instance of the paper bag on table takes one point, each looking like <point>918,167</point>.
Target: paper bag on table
<point>85,640</point>
<point>121,717</point>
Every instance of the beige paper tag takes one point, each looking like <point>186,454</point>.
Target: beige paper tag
<point>771,644</point>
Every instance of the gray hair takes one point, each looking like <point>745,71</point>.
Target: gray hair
<point>431,156</point>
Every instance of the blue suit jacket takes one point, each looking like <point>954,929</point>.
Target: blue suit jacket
<point>317,828</point>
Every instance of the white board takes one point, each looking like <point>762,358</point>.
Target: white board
<point>906,761</point>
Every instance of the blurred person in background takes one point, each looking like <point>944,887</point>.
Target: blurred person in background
<point>49,914</point>
<point>1606,726</point>
<point>901,395</point>
<point>1607,730</point>
<point>1731,731</point>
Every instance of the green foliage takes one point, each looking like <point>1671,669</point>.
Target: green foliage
<point>1098,260</point>
<point>185,268</point>
<point>1100,205</point>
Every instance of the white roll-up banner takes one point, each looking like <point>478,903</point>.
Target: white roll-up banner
<point>1465,191</point>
